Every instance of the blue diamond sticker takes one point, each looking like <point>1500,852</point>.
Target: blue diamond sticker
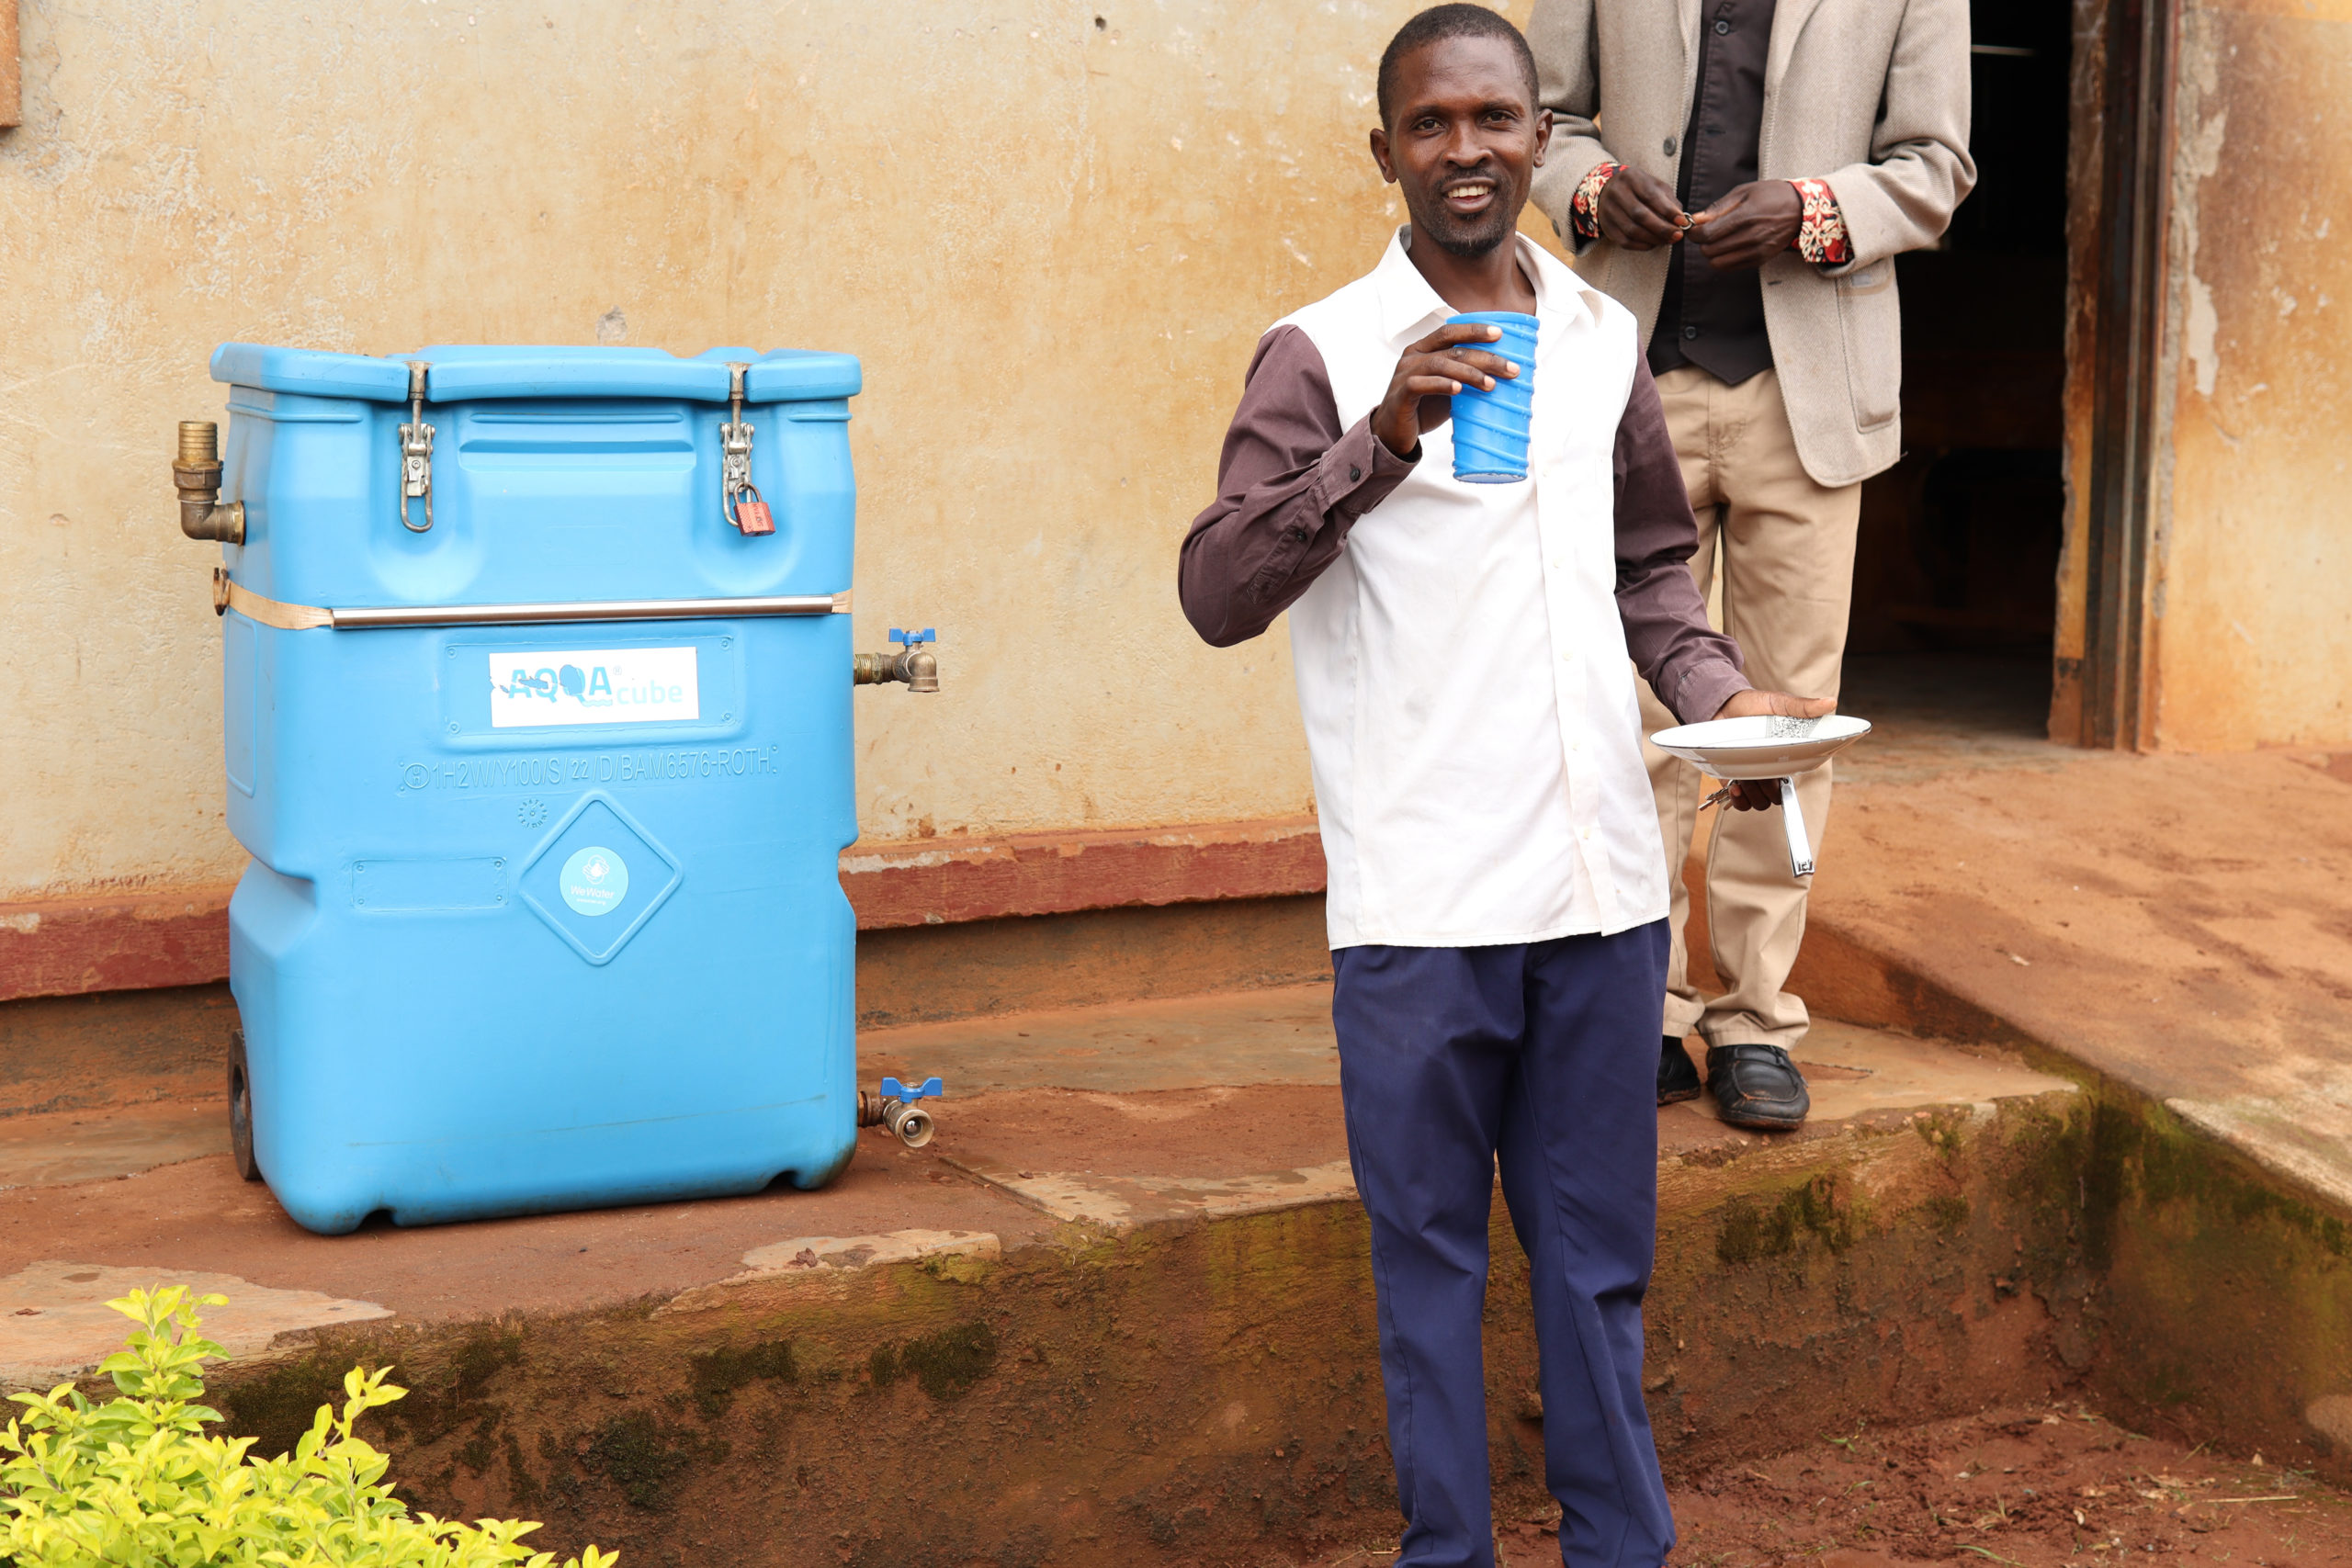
<point>598,878</point>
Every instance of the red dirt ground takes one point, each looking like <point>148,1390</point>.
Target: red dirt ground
<point>2031,1488</point>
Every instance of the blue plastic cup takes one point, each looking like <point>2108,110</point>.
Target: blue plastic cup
<point>1490,428</point>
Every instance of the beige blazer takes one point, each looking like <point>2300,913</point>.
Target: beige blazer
<point>1868,94</point>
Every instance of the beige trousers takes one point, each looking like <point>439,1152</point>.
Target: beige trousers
<point>1786,546</point>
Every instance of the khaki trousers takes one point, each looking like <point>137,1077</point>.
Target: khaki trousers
<point>1786,546</point>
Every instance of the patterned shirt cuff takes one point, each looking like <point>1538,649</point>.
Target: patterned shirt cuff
<point>1584,207</point>
<point>1821,232</point>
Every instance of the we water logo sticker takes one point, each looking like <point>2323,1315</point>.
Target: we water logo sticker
<point>594,880</point>
<point>592,685</point>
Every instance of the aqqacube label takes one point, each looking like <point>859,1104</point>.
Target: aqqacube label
<point>592,685</point>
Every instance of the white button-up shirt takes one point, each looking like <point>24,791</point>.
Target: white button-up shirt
<point>1461,657</point>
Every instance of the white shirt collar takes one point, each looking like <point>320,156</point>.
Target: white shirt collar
<point>1409,308</point>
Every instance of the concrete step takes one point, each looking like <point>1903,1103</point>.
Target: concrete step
<point>1121,1309</point>
<point>2171,933</point>
<point>94,1146</point>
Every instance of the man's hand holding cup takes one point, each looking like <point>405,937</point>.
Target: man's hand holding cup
<point>1428,375</point>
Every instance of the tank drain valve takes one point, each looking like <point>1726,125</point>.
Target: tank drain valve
<point>196,473</point>
<point>913,663</point>
<point>894,1106</point>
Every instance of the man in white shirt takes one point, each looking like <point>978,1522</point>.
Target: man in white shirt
<point>1497,885</point>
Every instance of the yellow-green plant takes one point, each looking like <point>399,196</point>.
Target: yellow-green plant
<point>136,1481</point>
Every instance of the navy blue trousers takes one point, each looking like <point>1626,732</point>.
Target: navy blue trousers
<point>1543,1059</point>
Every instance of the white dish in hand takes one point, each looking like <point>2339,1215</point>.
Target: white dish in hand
<point>1764,747</point>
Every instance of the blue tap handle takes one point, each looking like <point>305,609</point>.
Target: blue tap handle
<point>910,639</point>
<point>929,1089</point>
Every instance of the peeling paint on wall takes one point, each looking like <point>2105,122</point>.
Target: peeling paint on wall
<point>2255,536</point>
<point>2198,157</point>
<point>2204,326</point>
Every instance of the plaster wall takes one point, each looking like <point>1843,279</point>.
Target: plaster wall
<point>1052,231</point>
<point>2252,627</point>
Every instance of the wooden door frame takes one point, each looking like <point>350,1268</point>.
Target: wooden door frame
<point>2126,267</point>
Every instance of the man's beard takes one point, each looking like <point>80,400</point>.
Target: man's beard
<point>1472,237</point>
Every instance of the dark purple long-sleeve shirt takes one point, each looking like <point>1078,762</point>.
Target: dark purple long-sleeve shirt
<point>1291,483</point>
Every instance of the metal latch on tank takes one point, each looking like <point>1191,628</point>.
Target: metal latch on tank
<point>416,453</point>
<point>914,663</point>
<point>895,1106</point>
<point>750,517</point>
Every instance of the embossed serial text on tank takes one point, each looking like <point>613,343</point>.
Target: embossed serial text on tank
<point>665,764</point>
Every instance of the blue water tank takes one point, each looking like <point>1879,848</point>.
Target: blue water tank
<point>545,800</point>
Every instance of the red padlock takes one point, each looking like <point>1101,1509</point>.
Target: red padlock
<point>752,516</point>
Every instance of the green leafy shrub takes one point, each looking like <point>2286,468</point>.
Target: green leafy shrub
<point>136,1481</point>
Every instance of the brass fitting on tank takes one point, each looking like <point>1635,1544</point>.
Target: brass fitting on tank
<point>910,1124</point>
<point>914,663</point>
<point>898,1106</point>
<point>196,473</point>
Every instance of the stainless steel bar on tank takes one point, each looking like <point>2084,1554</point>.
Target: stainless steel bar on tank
<point>364,619</point>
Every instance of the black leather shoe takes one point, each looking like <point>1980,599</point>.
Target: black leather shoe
<point>1677,1078</point>
<point>1757,1086</point>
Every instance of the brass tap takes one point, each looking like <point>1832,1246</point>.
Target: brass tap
<point>197,475</point>
<point>900,1107</point>
<point>910,1124</point>
<point>914,663</point>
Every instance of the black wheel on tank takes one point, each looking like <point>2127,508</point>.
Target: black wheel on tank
<point>241,1107</point>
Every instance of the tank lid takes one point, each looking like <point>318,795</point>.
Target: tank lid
<point>792,375</point>
<point>481,371</point>
<point>310,373</point>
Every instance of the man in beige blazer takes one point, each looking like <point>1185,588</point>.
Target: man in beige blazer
<point>1741,175</point>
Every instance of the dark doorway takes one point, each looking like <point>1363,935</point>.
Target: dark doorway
<point>1955,575</point>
